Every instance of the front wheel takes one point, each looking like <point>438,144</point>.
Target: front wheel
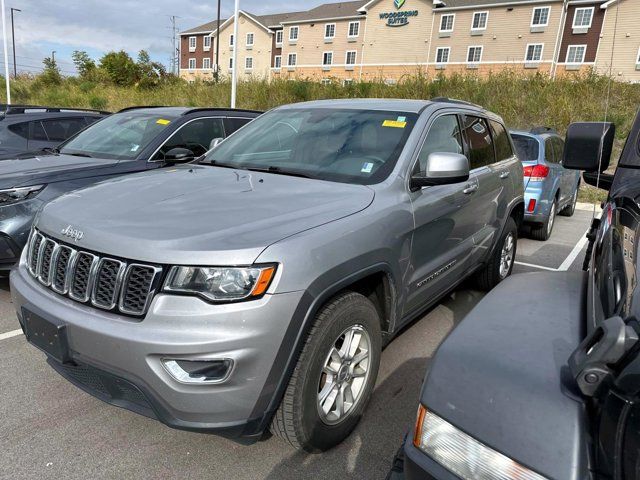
<point>334,377</point>
<point>501,262</point>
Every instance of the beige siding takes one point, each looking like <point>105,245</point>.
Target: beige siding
<point>398,46</point>
<point>505,39</point>
<point>261,51</point>
<point>627,42</point>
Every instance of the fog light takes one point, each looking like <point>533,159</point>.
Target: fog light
<point>198,371</point>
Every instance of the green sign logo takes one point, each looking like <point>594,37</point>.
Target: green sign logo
<point>399,3</point>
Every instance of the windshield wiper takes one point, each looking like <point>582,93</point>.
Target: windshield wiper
<point>80,154</point>
<point>278,171</point>
<point>53,151</point>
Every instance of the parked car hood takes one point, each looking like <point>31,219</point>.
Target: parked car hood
<point>199,215</point>
<point>46,168</point>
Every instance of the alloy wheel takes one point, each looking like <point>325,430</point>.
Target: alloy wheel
<point>507,255</point>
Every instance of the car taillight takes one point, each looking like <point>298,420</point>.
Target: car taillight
<point>536,173</point>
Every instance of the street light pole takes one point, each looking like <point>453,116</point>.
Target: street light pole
<point>53,56</point>
<point>217,72</point>
<point>234,73</point>
<point>13,41</point>
<point>6,57</point>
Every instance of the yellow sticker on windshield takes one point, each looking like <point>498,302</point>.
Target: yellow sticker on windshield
<point>394,124</point>
<point>162,121</point>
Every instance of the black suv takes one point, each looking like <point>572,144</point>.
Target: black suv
<point>536,389</point>
<point>28,129</point>
<point>133,140</point>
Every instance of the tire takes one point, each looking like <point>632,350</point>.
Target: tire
<point>495,272</point>
<point>543,232</point>
<point>298,419</point>
<point>570,209</point>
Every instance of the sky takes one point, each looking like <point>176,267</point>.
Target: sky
<point>99,26</point>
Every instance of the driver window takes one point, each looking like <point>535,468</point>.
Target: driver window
<point>195,136</point>
<point>443,137</point>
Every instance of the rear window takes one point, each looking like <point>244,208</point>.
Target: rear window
<point>501,141</point>
<point>527,148</point>
<point>481,151</point>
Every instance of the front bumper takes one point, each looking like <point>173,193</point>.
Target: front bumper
<point>412,464</point>
<point>118,359</point>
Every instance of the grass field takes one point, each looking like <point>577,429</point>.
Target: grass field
<point>523,101</point>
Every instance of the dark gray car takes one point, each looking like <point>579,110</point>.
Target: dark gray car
<point>133,140</point>
<point>255,288</point>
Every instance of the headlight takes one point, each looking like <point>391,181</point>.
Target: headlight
<point>13,195</point>
<point>462,454</point>
<point>220,284</point>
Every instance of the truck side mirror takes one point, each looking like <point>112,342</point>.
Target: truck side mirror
<point>588,146</point>
<point>442,169</point>
<point>179,155</point>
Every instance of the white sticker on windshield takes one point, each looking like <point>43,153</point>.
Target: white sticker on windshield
<point>135,148</point>
<point>402,119</point>
<point>367,167</point>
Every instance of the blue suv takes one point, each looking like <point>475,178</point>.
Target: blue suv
<point>550,189</point>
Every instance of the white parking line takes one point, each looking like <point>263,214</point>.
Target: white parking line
<point>14,333</point>
<point>524,264</point>
<point>564,266</point>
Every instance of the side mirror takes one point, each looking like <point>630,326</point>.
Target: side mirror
<point>179,155</point>
<point>442,169</point>
<point>588,146</point>
<point>215,142</point>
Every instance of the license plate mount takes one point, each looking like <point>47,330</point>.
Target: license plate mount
<point>50,336</point>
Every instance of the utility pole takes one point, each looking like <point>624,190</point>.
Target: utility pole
<point>53,56</point>
<point>13,39</point>
<point>234,73</point>
<point>217,72</point>
<point>174,52</point>
<point>6,56</point>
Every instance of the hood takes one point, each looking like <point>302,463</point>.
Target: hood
<point>46,169</point>
<point>199,215</point>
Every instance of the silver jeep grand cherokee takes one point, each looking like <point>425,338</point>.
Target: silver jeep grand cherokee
<point>255,288</point>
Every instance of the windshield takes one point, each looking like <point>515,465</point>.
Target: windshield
<point>342,145</point>
<point>118,137</point>
<point>527,148</point>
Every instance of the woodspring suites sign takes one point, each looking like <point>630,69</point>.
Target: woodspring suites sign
<point>398,18</point>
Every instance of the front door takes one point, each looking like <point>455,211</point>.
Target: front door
<point>441,242</point>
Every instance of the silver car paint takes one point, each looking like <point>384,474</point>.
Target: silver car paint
<point>321,234</point>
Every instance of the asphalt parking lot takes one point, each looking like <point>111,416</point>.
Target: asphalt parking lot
<point>51,429</point>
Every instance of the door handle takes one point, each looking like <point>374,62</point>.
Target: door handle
<point>470,189</point>
<point>504,175</point>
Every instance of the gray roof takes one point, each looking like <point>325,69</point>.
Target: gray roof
<point>205,27</point>
<point>274,20</point>
<point>475,3</point>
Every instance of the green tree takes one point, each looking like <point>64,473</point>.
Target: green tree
<point>51,73</point>
<point>120,68</point>
<point>84,64</point>
<point>150,72</point>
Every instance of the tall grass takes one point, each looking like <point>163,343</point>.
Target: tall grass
<point>523,101</point>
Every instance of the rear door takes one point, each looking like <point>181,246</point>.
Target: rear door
<point>442,240</point>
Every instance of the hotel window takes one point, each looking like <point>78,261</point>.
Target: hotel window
<point>294,33</point>
<point>354,29</point>
<point>446,22</point>
<point>277,62</point>
<point>329,31</point>
<point>540,17</point>
<point>249,39</point>
<point>638,58</point>
<point>207,43</point>
<point>231,63</point>
<point>206,63</point>
<point>231,40</point>
<point>442,54</point>
<point>474,55</point>
<point>193,41</point>
<point>192,64</point>
<point>327,58</point>
<point>479,21</point>
<point>583,17</point>
<point>292,59</point>
<point>351,58</point>
<point>534,52</point>
<point>248,63</point>
<point>326,81</point>
<point>279,35</point>
<point>575,53</point>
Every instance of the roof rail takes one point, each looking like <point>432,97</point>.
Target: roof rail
<point>455,100</point>
<point>18,108</point>
<point>228,109</point>
<point>139,107</point>
<point>541,130</point>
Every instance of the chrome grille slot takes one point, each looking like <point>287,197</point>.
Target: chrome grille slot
<point>82,272</point>
<point>138,288</point>
<point>61,264</point>
<point>107,283</point>
<point>44,261</point>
